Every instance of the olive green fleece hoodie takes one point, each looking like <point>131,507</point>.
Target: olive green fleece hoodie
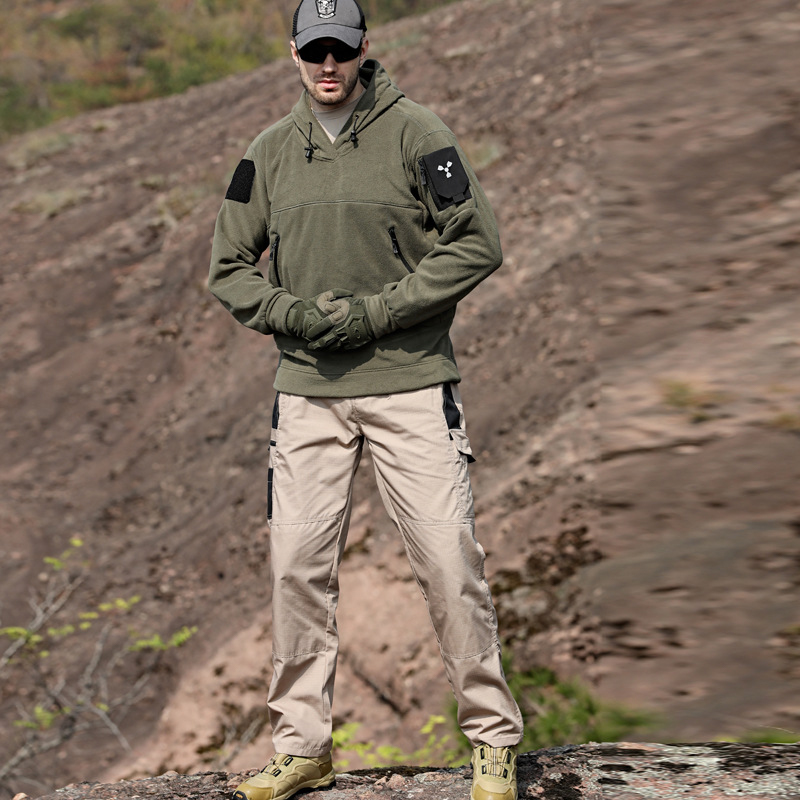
<point>360,213</point>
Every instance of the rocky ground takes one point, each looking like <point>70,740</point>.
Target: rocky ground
<point>624,771</point>
<point>630,379</point>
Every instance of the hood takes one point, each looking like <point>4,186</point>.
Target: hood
<point>380,94</point>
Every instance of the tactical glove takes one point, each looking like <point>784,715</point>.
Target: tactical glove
<point>308,319</point>
<point>352,328</point>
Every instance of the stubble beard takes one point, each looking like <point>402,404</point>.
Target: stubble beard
<point>345,89</point>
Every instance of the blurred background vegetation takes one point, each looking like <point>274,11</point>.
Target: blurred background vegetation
<point>61,57</point>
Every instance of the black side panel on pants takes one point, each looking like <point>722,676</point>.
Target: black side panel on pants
<point>272,443</point>
<point>276,412</point>
<point>452,414</point>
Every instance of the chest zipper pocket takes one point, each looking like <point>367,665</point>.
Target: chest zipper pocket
<point>273,258</point>
<point>398,253</point>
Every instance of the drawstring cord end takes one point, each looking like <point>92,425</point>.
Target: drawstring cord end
<point>309,148</point>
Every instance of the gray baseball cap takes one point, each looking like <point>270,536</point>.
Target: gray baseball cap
<point>337,19</point>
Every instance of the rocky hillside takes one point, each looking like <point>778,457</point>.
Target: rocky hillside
<point>699,358</point>
<point>138,413</point>
<point>630,381</point>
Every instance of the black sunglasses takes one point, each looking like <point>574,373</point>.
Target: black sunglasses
<point>316,52</point>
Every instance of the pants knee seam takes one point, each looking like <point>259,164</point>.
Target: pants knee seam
<point>284,656</point>
<point>494,643</point>
<point>287,523</point>
<point>436,522</point>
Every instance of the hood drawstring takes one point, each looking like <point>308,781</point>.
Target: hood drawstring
<point>310,146</point>
<point>353,136</point>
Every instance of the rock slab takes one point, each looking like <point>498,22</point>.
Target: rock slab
<point>622,771</point>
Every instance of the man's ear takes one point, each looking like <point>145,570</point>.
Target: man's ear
<point>364,48</point>
<point>295,54</point>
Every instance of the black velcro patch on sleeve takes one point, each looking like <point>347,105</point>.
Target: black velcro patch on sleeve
<point>447,178</point>
<point>242,182</point>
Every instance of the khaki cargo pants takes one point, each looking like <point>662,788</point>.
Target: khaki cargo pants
<point>420,451</point>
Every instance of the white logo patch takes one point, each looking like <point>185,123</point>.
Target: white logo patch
<point>446,169</point>
<point>326,8</point>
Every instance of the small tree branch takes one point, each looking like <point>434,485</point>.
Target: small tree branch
<point>52,602</point>
<point>109,723</point>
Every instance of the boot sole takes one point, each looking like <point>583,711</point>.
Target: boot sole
<point>325,780</point>
<point>319,783</point>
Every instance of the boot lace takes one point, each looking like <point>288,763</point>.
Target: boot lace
<point>495,761</point>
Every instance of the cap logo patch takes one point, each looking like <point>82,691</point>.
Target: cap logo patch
<point>446,169</point>
<point>326,8</point>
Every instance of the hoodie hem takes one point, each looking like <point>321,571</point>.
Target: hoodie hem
<point>387,380</point>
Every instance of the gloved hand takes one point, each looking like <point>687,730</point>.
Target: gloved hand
<point>308,319</point>
<point>352,328</point>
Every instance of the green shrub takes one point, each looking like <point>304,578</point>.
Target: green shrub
<point>440,749</point>
<point>555,712</point>
<point>92,685</point>
<point>764,736</point>
<point>18,110</point>
<point>112,51</point>
<point>558,712</point>
<point>785,421</point>
<point>695,401</point>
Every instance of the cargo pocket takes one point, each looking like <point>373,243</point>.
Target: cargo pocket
<point>462,444</point>
<point>454,414</point>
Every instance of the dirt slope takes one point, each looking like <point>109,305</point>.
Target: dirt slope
<point>136,413</point>
<point>699,351</point>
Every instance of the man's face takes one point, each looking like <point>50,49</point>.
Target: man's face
<point>330,83</point>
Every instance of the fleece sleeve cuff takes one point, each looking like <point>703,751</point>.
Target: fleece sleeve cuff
<point>380,320</point>
<point>279,311</point>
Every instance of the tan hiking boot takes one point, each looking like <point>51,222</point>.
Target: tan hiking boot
<point>285,775</point>
<point>494,773</point>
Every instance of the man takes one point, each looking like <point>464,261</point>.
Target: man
<point>376,227</point>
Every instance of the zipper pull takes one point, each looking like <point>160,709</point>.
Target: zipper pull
<point>395,245</point>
